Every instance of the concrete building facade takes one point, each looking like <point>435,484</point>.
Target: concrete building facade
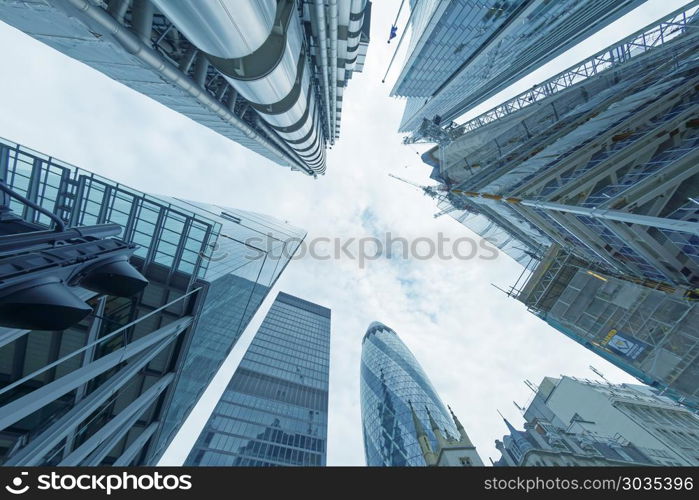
<point>581,422</point>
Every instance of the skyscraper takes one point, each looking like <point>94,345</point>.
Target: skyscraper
<point>580,422</point>
<point>590,180</point>
<point>461,51</point>
<point>398,403</point>
<point>274,411</point>
<point>115,387</point>
<point>267,74</point>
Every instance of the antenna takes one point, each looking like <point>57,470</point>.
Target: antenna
<point>520,408</point>
<point>414,184</point>
<point>503,291</point>
<point>532,386</point>
<point>599,374</point>
<point>431,191</point>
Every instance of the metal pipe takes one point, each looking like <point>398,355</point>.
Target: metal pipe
<point>26,405</point>
<point>133,45</point>
<point>117,9</point>
<point>333,68</point>
<point>201,66</point>
<point>273,136</point>
<point>400,41</point>
<point>323,49</point>
<point>117,426</point>
<point>357,8</point>
<point>188,59</point>
<point>12,242</point>
<point>32,455</point>
<point>142,19</point>
<point>599,213</point>
<point>136,446</point>
<point>60,225</point>
<point>223,28</point>
<point>275,77</point>
<point>619,216</point>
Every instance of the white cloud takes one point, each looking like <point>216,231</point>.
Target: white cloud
<point>476,344</point>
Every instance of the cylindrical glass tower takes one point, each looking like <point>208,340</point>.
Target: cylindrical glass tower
<point>391,377</point>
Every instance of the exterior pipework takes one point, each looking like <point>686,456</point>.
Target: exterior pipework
<point>222,28</point>
<point>333,70</point>
<point>275,76</point>
<point>133,45</point>
<point>323,53</point>
<point>283,145</point>
<point>354,30</point>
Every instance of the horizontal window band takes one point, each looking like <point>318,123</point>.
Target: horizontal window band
<point>356,16</point>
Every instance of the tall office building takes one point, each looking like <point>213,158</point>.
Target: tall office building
<point>115,387</point>
<point>274,411</point>
<point>580,422</point>
<point>462,52</point>
<point>267,74</point>
<point>399,403</point>
<point>590,180</point>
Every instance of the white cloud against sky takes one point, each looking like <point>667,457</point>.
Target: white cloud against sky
<point>476,344</point>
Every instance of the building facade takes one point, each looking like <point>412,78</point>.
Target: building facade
<point>115,387</point>
<point>581,422</point>
<point>398,401</point>
<point>462,52</point>
<point>274,411</point>
<point>267,74</point>
<point>590,181</point>
<point>543,444</point>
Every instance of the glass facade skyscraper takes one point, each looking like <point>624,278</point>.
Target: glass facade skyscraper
<point>274,411</point>
<point>462,52</point>
<point>590,180</point>
<point>115,388</point>
<point>391,380</point>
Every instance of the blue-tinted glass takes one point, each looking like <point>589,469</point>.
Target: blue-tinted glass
<point>391,380</point>
<point>274,410</point>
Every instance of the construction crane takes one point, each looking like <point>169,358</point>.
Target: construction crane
<point>434,192</point>
<point>440,193</point>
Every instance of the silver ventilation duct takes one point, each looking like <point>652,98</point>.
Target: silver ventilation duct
<point>258,46</point>
<point>354,31</point>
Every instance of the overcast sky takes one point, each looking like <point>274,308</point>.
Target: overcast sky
<point>476,344</point>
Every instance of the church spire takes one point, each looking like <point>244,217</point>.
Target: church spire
<point>462,432</point>
<point>422,439</point>
<point>441,440</point>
